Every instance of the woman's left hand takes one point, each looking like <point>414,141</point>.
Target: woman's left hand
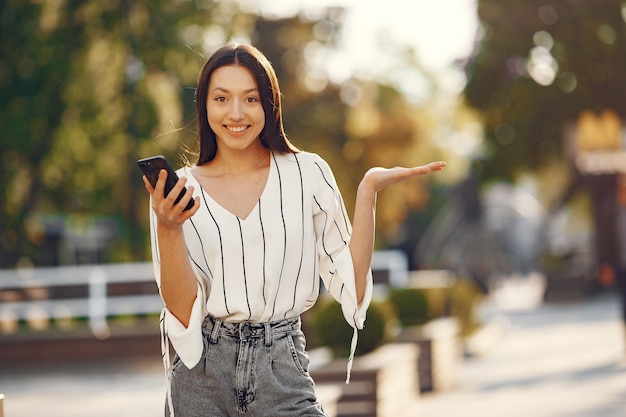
<point>377,178</point>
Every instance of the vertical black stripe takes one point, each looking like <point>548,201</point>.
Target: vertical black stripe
<point>346,222</point>
<point>154,239</point>
<point>282,215</point>
<point>219,233</point>
<point>324,229</point>
<point>324,177</point>
<point>340,199</point>
<point>345,242</point>
<point>243,266</point>
<point>264,254</point>
<point>208,275</point>
<point>330,283</point>
<point>295,288</point>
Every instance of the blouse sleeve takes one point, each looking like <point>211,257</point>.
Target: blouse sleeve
<point>187,341</point>
<point>333,231</point>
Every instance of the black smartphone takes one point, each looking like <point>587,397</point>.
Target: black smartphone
<point>152,166</point>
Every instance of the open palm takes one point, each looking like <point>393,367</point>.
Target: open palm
<point>378,178</point>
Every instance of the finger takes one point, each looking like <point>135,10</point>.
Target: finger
<point>196,206</point>
<point>402,174</point>
<point>146,183</point>
<point>159,190</point>
<point>433,166</point>
<point>188,196</point>
<point>185,215</point>
<point>176,190</point>
<point>430,167</point>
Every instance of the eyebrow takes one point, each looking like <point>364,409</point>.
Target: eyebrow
<point>250,90</point>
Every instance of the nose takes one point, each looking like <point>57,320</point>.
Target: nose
<point>236,110</point>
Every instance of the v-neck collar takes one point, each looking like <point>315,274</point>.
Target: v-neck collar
<point>214,204</point>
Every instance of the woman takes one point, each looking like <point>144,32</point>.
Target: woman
<point>236,271</point>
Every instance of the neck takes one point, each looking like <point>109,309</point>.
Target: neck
<point>242,163</point>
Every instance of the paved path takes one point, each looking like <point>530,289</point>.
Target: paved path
<point>558,360</point>
<point>85,390</point>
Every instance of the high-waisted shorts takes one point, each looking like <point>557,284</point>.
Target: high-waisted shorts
<point>247,369</point>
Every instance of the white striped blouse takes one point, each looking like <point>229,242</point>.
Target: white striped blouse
<point>268,266</point>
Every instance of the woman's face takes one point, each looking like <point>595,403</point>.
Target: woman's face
<point>234,109</point>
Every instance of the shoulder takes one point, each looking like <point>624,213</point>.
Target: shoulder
<point>184,171</point>
<point>302,158</point>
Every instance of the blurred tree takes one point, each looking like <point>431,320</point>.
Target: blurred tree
<point>539,64</point>
<point>86,88</point>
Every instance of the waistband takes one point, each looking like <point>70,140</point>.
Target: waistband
<point>215,328</point>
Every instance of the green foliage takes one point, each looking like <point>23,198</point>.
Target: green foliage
<point>87,87</point>
<point>463,299</point>
<point>411,305</point>
<point>417,306</point>
<point>331,329</point>
<point>327,326</point>
<point>540,63</point>
<point>437,301</point>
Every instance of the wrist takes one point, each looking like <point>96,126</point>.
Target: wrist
<point>366,192</point>
<point>169,229</point>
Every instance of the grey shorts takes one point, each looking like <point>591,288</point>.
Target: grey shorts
<point>247,369</point>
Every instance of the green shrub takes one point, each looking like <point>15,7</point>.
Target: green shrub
<point>463,298</point>
<point>438,302</point>
<point>416,306</point>
<point>330,328</point>
<point>411,305</point>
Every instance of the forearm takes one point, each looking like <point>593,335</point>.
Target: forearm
<point>362,240</point>
<point>178,284</point>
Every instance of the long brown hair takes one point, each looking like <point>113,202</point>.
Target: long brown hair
<point>273,134</point>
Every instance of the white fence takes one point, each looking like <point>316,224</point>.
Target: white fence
<point>25,294</point>
<point>28,294</point>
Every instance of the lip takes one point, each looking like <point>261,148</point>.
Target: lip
<point>237,129</point>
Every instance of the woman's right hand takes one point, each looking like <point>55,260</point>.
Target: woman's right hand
<point>176,279</point>
<point>168,214</point>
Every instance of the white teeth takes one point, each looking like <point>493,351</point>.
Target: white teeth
<point>237,129</point>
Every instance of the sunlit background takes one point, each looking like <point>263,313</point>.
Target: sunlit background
<point>523,99</point>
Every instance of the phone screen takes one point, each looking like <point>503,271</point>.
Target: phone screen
<point>152,166</point>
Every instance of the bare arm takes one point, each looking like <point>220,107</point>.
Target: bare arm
<point>362,240</point>
<point>178,285</point>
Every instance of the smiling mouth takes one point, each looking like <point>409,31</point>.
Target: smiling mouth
<point>237,129</point>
